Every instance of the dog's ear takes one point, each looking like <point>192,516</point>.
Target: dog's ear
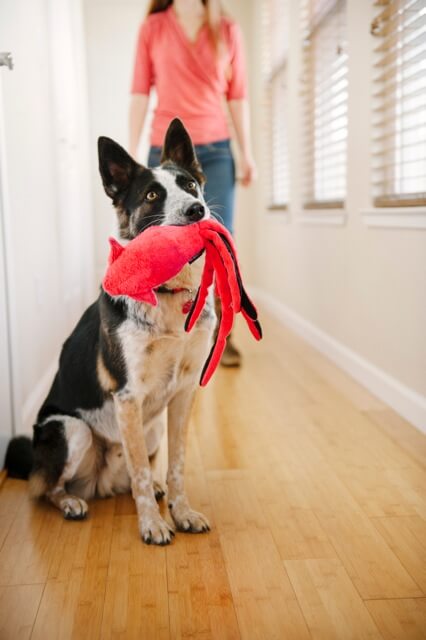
<point>116,167</point>
<point>178,148</point>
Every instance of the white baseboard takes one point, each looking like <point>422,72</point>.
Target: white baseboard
<point>33,402</point>
<point>408,403</point>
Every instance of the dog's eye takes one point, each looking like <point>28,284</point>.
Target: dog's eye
<point>191,185</point>
<point>151,195</point>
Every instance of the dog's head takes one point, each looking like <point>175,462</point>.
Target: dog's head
<point>169,194</point>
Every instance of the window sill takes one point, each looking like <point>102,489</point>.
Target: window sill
<point>395,217</point>
<point>277,207</point>
<point>323,217</point>
<point>278,214</point>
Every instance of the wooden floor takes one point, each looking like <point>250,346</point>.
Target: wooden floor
<point>316,494</point>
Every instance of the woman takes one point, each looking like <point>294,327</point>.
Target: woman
<point>193,55</point>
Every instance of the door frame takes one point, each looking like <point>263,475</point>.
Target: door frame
<point>10,371</point>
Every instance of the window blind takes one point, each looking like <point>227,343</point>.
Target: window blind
<point>399,103</point>
<point>275,52</point>
<point>325,97</point>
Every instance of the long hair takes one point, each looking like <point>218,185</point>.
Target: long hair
<point>214,13</point>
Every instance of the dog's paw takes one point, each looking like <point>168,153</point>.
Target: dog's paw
<point>188,520</point>
<point>74,508</point>
<point>155,530</point>
<point>159,490</point>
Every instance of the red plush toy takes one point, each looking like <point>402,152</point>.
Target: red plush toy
<point>160,253</point>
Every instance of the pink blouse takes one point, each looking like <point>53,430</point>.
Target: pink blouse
<point>190,81</point>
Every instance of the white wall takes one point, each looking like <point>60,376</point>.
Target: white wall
<point>47,220</point>
<point>111,30</point>
<point>6,404</point>
<point>364,287</point>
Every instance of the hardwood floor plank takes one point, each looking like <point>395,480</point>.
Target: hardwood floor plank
<point>411,484</point>
<point>346,436</point>
<point>18,607</point>
<point>90,604</point>
<point>136,597</point>
<point>374,569</point>
<point>375,490</point>
<point>371,467</point>
<point>71,547</point>
<point>298,533</point>
<point>331,605</point>
<point>264,599</point>
<point>200,596</point>
<point>234,500</point>
<point>322,372</point>
<point>58,607</point>
<point>265,602</point>
<point>65,578</point>
<point>201,604</point>
<point>402,433</point>
<point>306,481</point>
<point>399,619</point>
<point>406,537</point>
<point>28,549</point>
<point>341,382</point>
<point>12,495</point>
<point>3,476</point>
<point>284,508</point>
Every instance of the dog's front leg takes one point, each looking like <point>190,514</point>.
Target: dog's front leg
<point>128,408</point>
<point>185,518</point>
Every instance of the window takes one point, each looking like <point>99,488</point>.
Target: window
<point>275,32</point>
<point>325,96</point>
<point>399,104</point>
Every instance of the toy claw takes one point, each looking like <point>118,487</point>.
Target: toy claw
<point>160,253</point>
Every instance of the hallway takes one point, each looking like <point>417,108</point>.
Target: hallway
<point>309,460</point>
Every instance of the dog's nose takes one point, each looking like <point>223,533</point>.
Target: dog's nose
<point>195,211</point>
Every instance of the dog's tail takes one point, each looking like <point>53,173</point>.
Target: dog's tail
<point>19,463</point>
<point>19,458</point>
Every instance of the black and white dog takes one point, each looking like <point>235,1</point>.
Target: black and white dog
<point>129,368</point>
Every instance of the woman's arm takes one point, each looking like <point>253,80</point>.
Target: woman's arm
<point>137,115</point>
<point>240,116</point>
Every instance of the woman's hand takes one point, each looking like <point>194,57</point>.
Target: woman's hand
<point>247,171</point>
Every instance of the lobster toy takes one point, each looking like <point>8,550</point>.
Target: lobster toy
<point>159,254</point>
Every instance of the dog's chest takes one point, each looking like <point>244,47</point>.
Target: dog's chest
<point>160,356</point>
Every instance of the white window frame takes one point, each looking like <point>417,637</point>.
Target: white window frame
<point>275,72</point>
<point>399,104</point>
<point>315,15</point>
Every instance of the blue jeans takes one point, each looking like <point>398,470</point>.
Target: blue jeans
<point>218,166</point>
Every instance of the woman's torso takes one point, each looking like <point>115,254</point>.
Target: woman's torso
<point>190,79</point>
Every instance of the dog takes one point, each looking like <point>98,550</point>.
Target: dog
<point>129,368</point>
